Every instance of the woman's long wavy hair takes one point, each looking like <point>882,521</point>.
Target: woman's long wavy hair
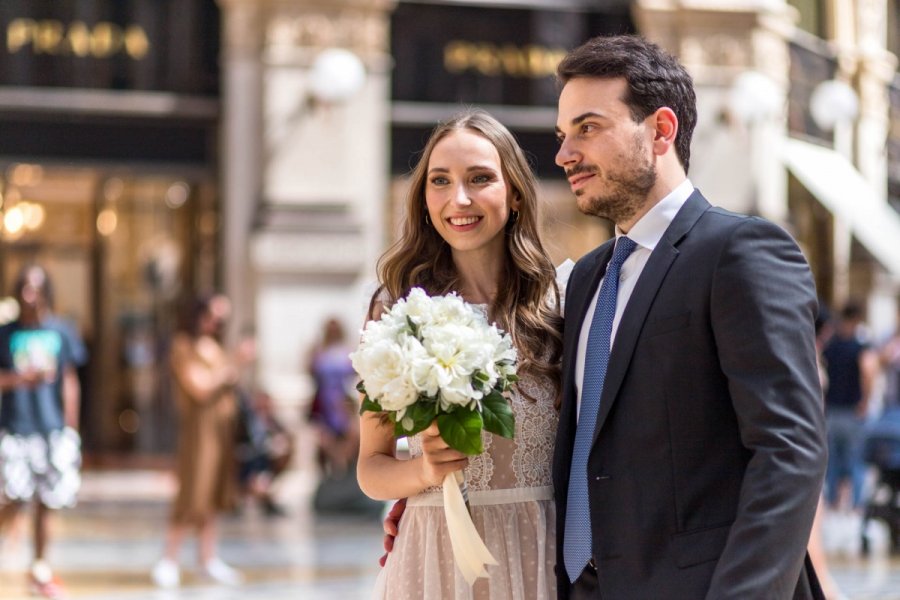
<point>527,297</point>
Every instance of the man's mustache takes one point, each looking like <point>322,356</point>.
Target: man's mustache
<point>581,169</point>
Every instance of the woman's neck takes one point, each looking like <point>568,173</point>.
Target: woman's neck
<point>479,277</point>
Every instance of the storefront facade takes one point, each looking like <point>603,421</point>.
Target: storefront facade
<point>108,174</point>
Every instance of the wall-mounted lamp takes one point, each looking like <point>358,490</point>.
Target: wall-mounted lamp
<point>754,97</point>
<point>833,103</point>
<point>336,76</point>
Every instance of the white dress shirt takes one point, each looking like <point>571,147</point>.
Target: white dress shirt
<point>646,233</point>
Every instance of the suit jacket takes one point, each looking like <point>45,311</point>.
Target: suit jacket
<point>709,452</point>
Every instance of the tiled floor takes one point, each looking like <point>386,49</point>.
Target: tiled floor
<point>106,546</point>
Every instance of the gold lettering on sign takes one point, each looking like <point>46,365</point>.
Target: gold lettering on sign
<point>492,60</point>
<point>52,37</point>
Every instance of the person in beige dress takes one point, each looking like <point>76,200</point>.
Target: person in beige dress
<point>205,377</point>
<point>471,227</point>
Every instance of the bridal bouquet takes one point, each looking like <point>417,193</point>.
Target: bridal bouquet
<point>437,358</point>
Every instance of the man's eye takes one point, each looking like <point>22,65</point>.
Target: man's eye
<point>560,139</point>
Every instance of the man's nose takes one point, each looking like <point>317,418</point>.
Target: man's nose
<point>566,155</point>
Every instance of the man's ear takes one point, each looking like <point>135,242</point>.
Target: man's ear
<point>665,125</point>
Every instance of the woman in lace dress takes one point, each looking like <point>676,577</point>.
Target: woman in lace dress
<point>471,227</point>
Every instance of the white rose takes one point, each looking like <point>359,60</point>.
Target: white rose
<point>382,367</point>
<point>452,309</point>
<point>418,306</point>
<point>459,392</point>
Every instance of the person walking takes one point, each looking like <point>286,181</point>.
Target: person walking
<point>40,449</point>
<point>206,380</point>
<point>691,449</point>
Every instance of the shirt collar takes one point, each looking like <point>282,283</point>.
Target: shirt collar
<point>650,228</point>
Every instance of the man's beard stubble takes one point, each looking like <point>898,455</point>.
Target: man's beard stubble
<point>627,190</point>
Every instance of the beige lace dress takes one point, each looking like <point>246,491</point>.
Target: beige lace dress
<point>512,507</point>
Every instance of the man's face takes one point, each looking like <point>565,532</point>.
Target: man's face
<point>607,156</point>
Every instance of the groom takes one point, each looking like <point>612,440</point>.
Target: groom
<point>690,451</point>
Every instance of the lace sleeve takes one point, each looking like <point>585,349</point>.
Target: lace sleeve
<point>563,271</point>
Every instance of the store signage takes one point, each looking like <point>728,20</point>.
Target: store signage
<point>495,60</point>
<point>100,40</point>
<point>146,45</point>
<point>484,54</point>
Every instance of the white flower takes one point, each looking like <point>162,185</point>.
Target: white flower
<point>453,343</point>
<point>418,306</point>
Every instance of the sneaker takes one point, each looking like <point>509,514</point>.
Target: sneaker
<point>41,582</point>
<point>165,574</point>
<point>219,572</point>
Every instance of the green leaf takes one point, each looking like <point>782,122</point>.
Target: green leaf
<point>418,417</point>
<point>498,415</point>
<point>369,405</point>
<point>461,429</point>
<point>412,326</point>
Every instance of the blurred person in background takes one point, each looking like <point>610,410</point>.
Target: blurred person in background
<point>851,366</point>
<point>890,362</point>
<point>333,409</point>
<point>206,394</point>
<point>40,450</point>
<point>265,447</point>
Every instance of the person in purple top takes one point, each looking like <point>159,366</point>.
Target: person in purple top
<point>332,410</point>
<point>40,450</point>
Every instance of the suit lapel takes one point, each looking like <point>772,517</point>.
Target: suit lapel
<point>641,300</point>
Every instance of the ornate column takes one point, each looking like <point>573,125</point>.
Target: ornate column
<point>241,143</point>
<point>320,223</point>
<point>718,40</point>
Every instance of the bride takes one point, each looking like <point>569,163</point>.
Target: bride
<point>471,227</point>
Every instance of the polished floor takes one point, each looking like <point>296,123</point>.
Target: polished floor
<point>106,546</point>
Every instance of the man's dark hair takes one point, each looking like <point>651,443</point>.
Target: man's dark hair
<point>655,79</point>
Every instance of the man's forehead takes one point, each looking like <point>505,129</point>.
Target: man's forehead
<point>591,94</point>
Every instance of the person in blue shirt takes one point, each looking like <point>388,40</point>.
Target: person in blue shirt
<point>40,450</point>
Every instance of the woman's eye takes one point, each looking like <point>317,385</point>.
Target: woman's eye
<point>439,181</point>
<point>482,179</point>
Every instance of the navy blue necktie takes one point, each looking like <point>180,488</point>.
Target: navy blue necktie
<point>577,539</point>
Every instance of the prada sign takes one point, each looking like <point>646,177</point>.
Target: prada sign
<point>53,37</point>
<point>159,45</point>
<point>486,55</point>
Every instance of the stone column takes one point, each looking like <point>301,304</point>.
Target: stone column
<point>321,222</point>
<point>241,143</point>
<point>735,161</point>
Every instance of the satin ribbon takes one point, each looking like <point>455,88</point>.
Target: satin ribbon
<point>469,551</point>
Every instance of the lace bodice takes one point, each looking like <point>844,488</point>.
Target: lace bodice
<point>523,461</point>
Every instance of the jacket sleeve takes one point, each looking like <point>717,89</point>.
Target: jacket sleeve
<point>763,305</point>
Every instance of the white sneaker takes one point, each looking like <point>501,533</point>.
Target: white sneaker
<point>219,572</point>
<point>165,574</point>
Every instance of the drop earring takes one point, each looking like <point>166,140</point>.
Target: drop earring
<point>427,220</point>
<point>514,217</point>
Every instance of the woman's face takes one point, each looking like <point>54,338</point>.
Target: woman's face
<point>466,194</point>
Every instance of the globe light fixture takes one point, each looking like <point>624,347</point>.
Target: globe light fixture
<point>754,97</point>
<point>336,76</point>
<point>833,103</point>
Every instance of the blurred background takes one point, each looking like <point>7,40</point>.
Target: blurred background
<point>152,150</point>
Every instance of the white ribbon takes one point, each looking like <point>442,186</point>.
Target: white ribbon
<point>469,551</point>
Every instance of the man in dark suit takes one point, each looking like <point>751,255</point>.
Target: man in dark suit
<point>690,452</point>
